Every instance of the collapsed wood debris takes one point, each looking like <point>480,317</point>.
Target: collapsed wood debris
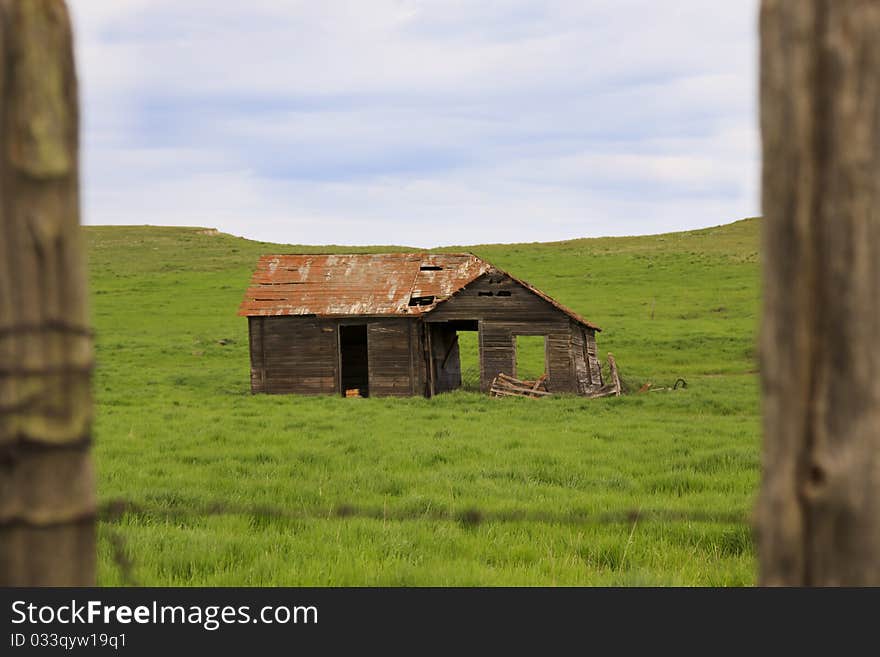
<point>613,388</point>
<point>508,386</point>
<point>505,385</point>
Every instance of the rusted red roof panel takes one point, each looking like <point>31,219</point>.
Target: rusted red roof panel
<point>357,284</point>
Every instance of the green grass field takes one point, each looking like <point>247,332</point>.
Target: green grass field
<point>221,487</point>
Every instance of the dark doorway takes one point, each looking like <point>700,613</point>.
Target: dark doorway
<point>353,361</point>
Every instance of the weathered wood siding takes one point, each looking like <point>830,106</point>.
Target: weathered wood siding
<point>593,362</point>
<point>394,350</point>
<point>587,369</point>
<point>481,300</point>
<point>579,359</point>
<point>294,355</point>
<point>301,355</point>
<point>497,352</point>
<point>517,311</point>
<point>560,368</point>
<point>258,367</point>
<point>421,354</point>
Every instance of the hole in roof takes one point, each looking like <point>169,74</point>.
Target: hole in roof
<point>503,293</point>
<point>430,268</point>
<point>421,301</point>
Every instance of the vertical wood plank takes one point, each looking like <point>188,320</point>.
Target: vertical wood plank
<point>47,489</point>
<point>819,510</point>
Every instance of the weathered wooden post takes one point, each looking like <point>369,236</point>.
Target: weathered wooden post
<point>819,510</point>
<point>47,493</point>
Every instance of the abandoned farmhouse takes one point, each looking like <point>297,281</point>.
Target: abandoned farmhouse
<point>388,324</point>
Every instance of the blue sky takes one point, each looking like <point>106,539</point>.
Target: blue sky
<point>419,122</point>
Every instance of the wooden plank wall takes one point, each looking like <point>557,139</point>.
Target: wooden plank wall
<point>481,300</point>
<point>301,355</point>
<point>294,355</point>
<point>394,349</point>
<point>587,369</point>
<point>593,363</point>
<point>579,359</point>
<point>560,368</point>
<point>419,355</point>
<point>517,311</point>
<point>258,369</point>
<point>497,352</point>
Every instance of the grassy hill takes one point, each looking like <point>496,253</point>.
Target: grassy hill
<point>204,483</point>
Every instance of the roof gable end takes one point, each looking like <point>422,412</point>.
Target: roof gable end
<point>494,273</point>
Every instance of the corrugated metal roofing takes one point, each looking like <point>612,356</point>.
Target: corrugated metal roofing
<point>357,284</point>
<point>365,284</point>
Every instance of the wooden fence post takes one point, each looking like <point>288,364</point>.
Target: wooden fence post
<point>47,492</point>
<point>819,511</point>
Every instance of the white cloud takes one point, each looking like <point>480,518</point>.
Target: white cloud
<point>419,122</point>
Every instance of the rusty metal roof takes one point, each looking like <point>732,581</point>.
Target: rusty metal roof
<point>357,284</point>
<point>365,284</point>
